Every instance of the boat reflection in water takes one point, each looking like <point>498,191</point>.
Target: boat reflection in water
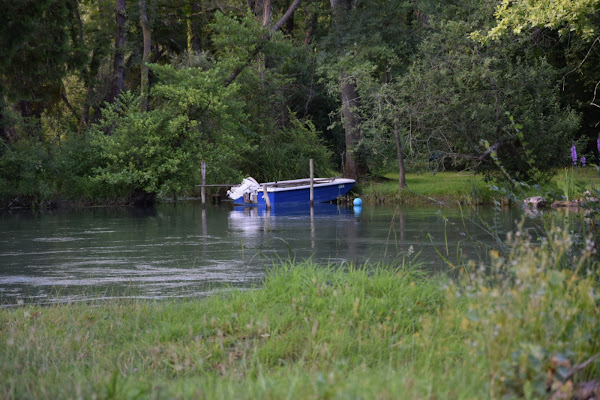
<point>325,222</point>
<point>292,210</point>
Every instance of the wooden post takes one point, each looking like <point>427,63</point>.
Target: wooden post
<point>203,189</point>
<point>266,196</point>
<point>312,182</point>
<point>204,226</point>
<point>312,227</point>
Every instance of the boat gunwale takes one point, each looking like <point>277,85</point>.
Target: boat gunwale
<point>295,184</point>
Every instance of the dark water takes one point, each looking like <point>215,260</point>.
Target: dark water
<point>179,250</point>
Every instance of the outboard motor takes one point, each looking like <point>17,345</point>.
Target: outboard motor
<point>248,185</point>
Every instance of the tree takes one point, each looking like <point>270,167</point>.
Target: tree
<point>119,51</point>
<point>194,37</point>
<point>40,41</point>
<point>574,50</point>
<point>400,151</point>
<point>256,48</point>
<point>349,97</point>
<point>369,46</point>
<point>282,135</point>
<point>459,94</point>
<point>144,82</point>
<point>194,118</point>
<point>565,16</point>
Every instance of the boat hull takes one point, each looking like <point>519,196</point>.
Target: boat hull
<point>286,192</point>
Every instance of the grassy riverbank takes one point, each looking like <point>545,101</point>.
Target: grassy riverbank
<point>441,188</point>
<point>468,188</point>
<point>315,332</point>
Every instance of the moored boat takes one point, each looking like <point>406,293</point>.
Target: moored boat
<point>250,192</point>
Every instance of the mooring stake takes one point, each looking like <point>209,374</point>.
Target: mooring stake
<point>312,182</point>
<point>266,196</point>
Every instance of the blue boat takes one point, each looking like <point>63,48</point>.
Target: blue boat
<point>296,191</point>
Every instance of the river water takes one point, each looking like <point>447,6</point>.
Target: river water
<point>181,250</point>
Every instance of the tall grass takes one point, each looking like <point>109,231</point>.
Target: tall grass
<point>324,332</point>
<point>572,182</point>
<point>567,184</point>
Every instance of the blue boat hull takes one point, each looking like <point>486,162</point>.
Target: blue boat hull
<point>322,194</point>
<point>295,191</point>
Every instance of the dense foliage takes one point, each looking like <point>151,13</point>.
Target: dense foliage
<point>260,87</point>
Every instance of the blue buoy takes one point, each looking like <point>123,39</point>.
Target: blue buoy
<point>357,202</point>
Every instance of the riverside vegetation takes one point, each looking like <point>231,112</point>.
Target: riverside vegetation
<point>119,102</point>
<point>471,189</point>
<point>525,324</point>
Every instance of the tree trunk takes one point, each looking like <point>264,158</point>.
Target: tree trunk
<point>85,111</point>
<point>89,79</point>
<point>401,170</point>
<point>261,58</point>
<point>262,9</point>
<point>194,28</point>
<point>351,127</point>
<point>119,58</point>
<point>266,21</point>
<point>312,27</point>
<point>350,104</point>
<point>144,82</point>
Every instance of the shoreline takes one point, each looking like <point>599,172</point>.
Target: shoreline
<point>440,189</point>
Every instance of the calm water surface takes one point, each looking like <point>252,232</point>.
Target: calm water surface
<point>177,250</point>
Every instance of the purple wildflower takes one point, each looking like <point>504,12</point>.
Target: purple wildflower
<point>598,144</point>
<point>583,161</point>
<point>574,155</point>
